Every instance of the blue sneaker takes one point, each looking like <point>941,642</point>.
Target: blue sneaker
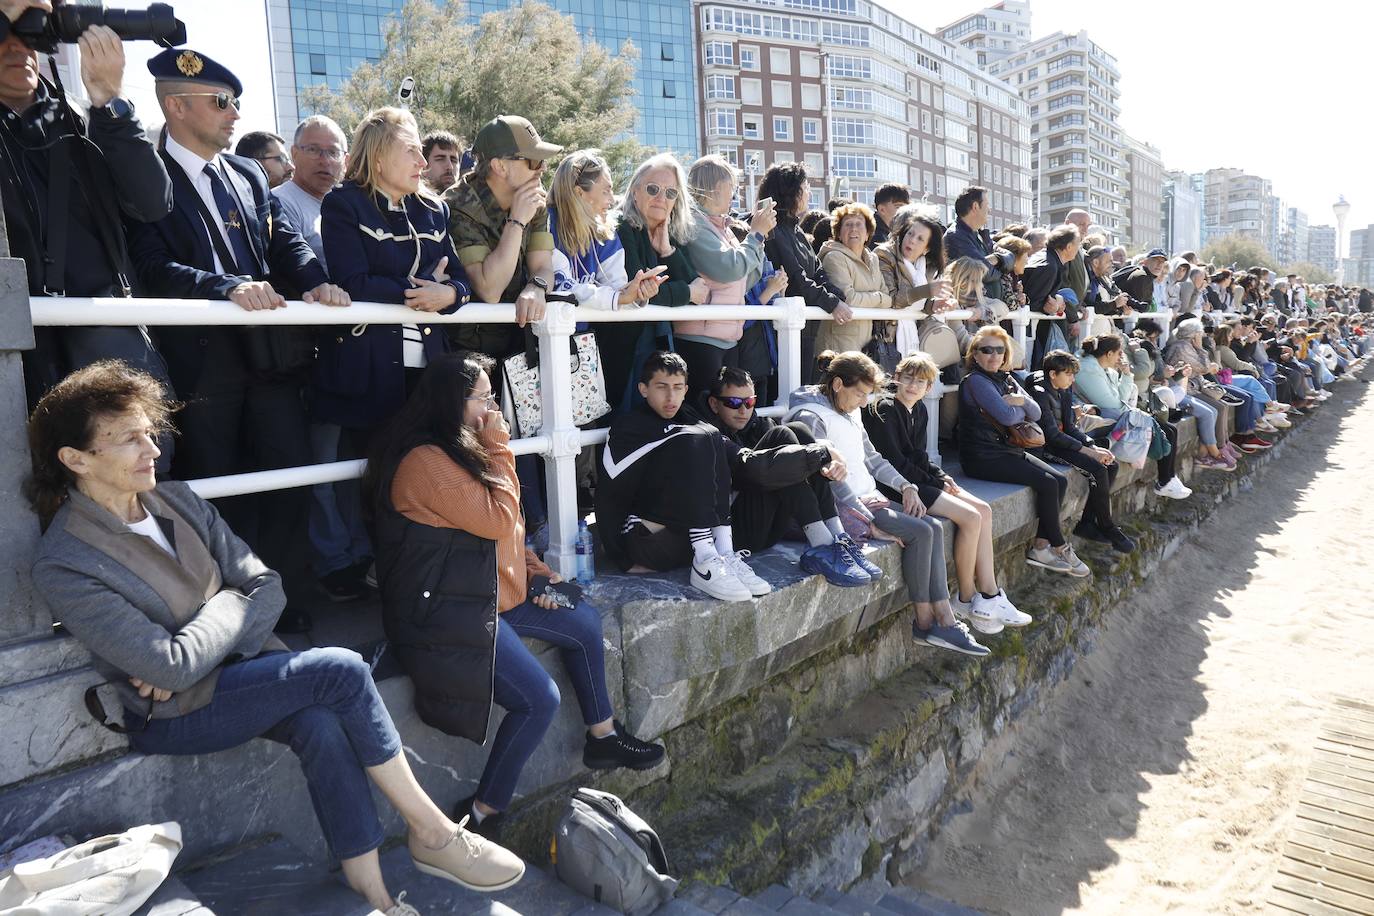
<point>856,553</point>
<point>955,637</point>
<point>919,634</point>
<point>834,562</point>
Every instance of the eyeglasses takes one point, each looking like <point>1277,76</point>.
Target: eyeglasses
<point>488,398</point>
<point>280,157</point>
<point>737,403</point>
<point>222,99</point>
<point>332,153</point>
<point>908,379</point>
<point>535,164</point>
<point>992,351</point>
<point>658,190</point>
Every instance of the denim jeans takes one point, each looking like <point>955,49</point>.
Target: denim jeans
<point>338,538</point>
<point>528,694</point>
<point>1248,412</point>
<point>1256,388</point>
<point>1204,413</point>
<point>323,704</point>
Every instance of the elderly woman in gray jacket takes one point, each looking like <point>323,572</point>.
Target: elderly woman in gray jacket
<point>178,614</point>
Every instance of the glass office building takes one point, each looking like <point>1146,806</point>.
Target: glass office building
<point>318,42</point>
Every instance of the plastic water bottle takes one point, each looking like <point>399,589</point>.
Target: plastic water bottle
<point>586,555</point>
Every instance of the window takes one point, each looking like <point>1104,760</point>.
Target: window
<point>729,153</point>
<point>669,89</point>
<point>816,199</point>
<point>925,92</point>
<point>780,60</point>
<point>811,96</point>
<point>666,51</point>
<point>782,94</point>
<point>317,64</point>
<point>784,156</point>
<point>927,151</point>
<point>751,127</point>
<point>719,54</point>
<point>811,130</point>
<point>721,122</point>
<point>720,87</point>
<point>925,121</point>
<point>748,57</point>
<point>751,91</point>
<point>782,129</point>
<point>814,164</point>
<point>810,64</point>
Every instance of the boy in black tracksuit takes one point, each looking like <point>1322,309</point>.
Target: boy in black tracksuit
<point>1065,443</point>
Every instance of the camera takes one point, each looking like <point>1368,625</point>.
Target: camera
<point>45,31</point>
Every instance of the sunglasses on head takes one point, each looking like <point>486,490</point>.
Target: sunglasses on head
<point>222,99</point>
<point>658,190</point>
<point>992,351</point>
<point>737,403</point>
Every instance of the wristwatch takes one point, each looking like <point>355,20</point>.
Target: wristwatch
<point>118,108</point>
<point>541,283</point>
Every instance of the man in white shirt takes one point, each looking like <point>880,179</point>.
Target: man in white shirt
<point>317,152</point>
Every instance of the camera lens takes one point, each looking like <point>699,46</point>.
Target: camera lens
<point>157,23</point>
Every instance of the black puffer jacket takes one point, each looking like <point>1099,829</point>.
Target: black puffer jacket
<point>788,249</point>
<point>1056,415</point>
<point>439,609</point>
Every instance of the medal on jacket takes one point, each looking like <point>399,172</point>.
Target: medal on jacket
<point>233,221</point>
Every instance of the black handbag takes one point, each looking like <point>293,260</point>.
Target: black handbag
<point>882,346</point>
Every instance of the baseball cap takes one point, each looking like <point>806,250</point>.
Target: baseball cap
<point>1069,296</point>
<point>1157,253</point>
<point>510,136</point>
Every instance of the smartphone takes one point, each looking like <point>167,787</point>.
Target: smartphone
<point>406,92</point>
<point>564,594</point>
<point>765,202</point>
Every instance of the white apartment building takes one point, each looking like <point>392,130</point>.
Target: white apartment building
<point>1238,204</point>
<point>1181,213</point>
<point>1144,196</point>
<point>863,97</point>
<point>1321,247</point>
<point>1070,87</point>
<point>992,34</point>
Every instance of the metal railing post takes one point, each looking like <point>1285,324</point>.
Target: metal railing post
<point>932,402</point>
<point>1020,323</point>
<point>1085,325</point>
<point>560,460</point>
<point>1166,321</point>
<point>789,330</point>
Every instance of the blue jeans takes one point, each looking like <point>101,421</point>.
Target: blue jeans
<point>1205,415</point>
<point>528,694</point>
<point>338,538</point>
<point>1256,388</point>
<point>323,704</point>
<point>1249,411</point>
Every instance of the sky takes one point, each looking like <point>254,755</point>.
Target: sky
<point>1211,83</point>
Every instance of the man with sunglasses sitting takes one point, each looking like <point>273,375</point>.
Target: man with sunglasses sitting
<point>781,478</point>
<point>500,229</point>
<point>227,238</point>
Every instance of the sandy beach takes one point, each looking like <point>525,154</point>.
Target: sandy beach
<point>1165,772</point>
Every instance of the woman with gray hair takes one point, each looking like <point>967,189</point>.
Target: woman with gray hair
<point>1190,363</point>
<point>656,223</point>
<point>730,269</point>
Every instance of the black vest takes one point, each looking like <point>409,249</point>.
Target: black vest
<point>439,588</point>
<point>979,439</point>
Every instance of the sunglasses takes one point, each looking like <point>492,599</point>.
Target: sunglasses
<point>222,99</point>
<point>535,164</point>
<point>737,403</point>
<point>992,351</point>
<point>657,190</point>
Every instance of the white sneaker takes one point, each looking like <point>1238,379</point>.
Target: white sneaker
<point>1007,613</point>
<point>716,580</point>
<point>735,563</point>
<point>977,613</point>
<point>1279,421</point>
<point>1174,489</point>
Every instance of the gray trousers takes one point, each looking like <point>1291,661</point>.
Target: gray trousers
<point>923,558</point>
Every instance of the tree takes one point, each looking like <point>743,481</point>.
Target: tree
<point>1236,249</point>
<point>1310,272</point>
<point>526,60</point>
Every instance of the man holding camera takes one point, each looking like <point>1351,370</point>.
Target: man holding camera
<point>67,182</point>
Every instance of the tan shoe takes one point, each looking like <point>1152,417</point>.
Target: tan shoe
<point>469,861</point>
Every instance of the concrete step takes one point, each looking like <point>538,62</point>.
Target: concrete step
<point>773,897</point>
<point>680,906</point>
<point>709,897</point>
<point>273,879</point>
<point>173,898</point>
<point>851,904</point>
<point>800,906</point>
<point>911,902</point>
<point>746,907</point>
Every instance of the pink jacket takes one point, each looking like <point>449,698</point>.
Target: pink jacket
<point>714,242</point>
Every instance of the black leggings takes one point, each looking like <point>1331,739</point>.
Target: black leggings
<point>761,517</point>
<point>1047,484</point>
<point>1100,479</point>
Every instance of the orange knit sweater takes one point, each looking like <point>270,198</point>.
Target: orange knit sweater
<point>430,489</point>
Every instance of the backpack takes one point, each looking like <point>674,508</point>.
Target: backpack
<point>939,342</point>
<point>605,851</point>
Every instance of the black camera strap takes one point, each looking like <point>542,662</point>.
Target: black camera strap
<point>71,150</point>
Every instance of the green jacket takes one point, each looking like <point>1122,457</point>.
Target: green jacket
<point>640,254</point>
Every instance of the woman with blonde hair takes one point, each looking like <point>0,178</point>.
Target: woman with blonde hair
<point>854,271</point>
<point>991,403</point>
<point>966,287</point>
<point>588,260</point>
<point>656,223</point>
<point>729,267</point>
<point>896,424</point>
<point>386,239</point>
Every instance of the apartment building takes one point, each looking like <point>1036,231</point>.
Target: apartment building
<point>992,34</point>
<point>1144,196</point>
<point>1321,247</point>
<point>1238,204</point>
<point>863,97</point>
<point>1181,212</point>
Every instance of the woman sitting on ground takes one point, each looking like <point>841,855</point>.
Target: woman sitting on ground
<point>1101,379</point>
<point>1065,443</point>
<point>1249,377</point>
<point>178,613</point>
<point>991,401</point>
<point>459,588</point>
<point>855,272</point>
<point>831,410</point>
<point>1188,349</point>
<point>896,425</point>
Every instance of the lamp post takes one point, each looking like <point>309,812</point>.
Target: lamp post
<point>1342,210</point>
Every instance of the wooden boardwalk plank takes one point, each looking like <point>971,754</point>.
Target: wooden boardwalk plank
<point>1295,903</point>
<point>1339,780</point>
<point>1343,750</point>
<point>1333,840</point>
<point>1324,814</point>
<point>1335,863</point>
<point>1358,767</point>
<point>1327,770</point>
<point>1342,800</point>
<point>1351,703</point>
<point>1313,883</point>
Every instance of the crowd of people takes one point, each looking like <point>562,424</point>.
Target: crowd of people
<point>446,525</point>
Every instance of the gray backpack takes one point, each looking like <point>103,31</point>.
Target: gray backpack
<point>606,852</point>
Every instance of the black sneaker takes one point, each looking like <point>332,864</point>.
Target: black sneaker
<point>491,825</point>
<point>343,585</point>
<point>293,621</point>
<point>621,749</point>
<point>1088,530</point>
<point>1120,541</point>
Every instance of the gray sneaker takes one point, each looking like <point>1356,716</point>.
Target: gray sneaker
<point>1077,568</point>
<point>1046,558</point>
<point>956,638</point>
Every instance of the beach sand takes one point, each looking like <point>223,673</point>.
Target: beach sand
<point>1164,773</point>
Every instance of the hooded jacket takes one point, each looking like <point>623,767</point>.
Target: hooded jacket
<point>867,466</point>
<point>860,281</point>
<point>1056,415</point>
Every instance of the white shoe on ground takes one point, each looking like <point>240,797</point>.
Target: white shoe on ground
<point>1007,613</point>
<point>1174,489</point>
<point>715,579</point>
<point>735,563</point>
<point>978,613</point>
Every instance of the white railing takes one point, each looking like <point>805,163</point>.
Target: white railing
<point>559,442</point>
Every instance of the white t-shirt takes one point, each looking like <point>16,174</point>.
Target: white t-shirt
<point>149,528</point>
<point>303,210</point>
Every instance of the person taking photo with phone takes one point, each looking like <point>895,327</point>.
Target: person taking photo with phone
<point>455,578</point>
